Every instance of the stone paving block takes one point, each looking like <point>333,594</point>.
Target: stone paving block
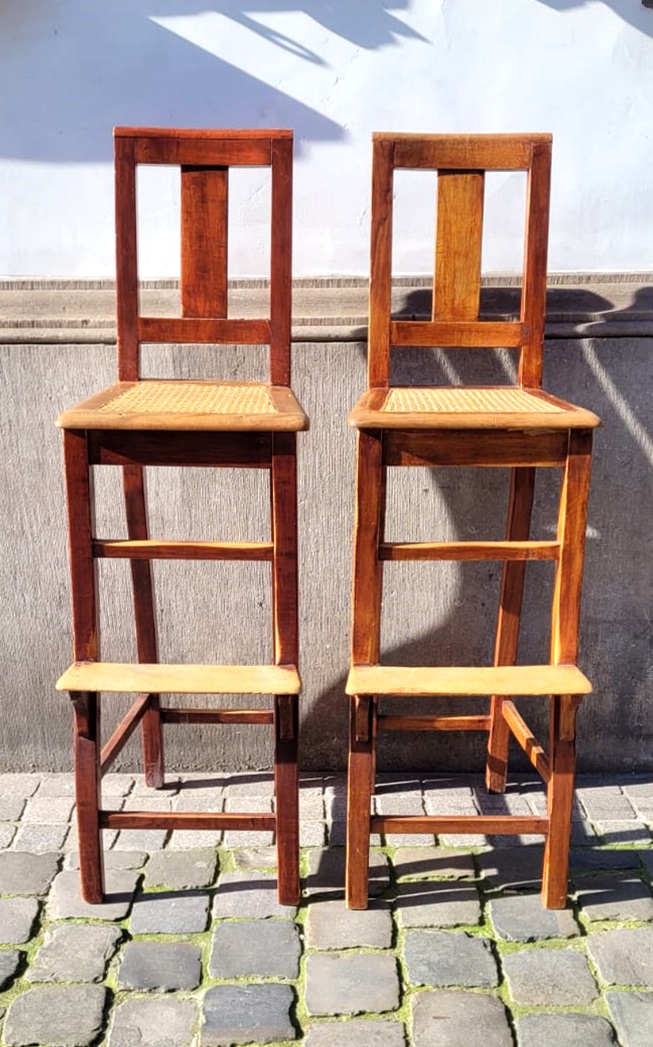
<point>564,1030</point>
<point>437,904</point>
<point>57,785</point>
<point>22,873</point>
<point>141,839</point>
<point>416,863</point>
<point>160,1022</point>
<point>236,1014</point>
<point>74,952</point>
<point>160,966</point>
<point>593,859</point>
<point>112,860</point>
<point>440,959</point>
<point>181,869</point>
<point>7,833</point>
<point>11,808</point>
<point>199,800</point>
<point>398,803</point>
<point>326,871</point>
<point>311,808</point>
<point>330,925</point>
<point>312,834</point>
<point>245,838</point>
<point>255,948</point>
<point>19,784</point>
<point>60,1016</point>
<point>249,804</point>
<point>609,898</point>
<point>624,956</point>
<point>351,983</point>
<point>137,802</point>
<point>171,786</point>
<point>45,809</point>
<point>17,918</point>
<point>513,868</point>
<point>116,785</point>
<point>189,839</point>
<point>598,808</point>
<point>632,1016</point>
<point>356,1033</point>
<point>40,839</point>
<point>9,963</point>
<point>464,840</point>
<point>71,843</point>
<point>249,784</point>
<point>65,901</point>
<point>166,913</point>
<point>549,978</point>
<point>582,834</point>
<point>615,832</point>
<point>255,858</point>
<point>410,839</point>
<point>523,918</point>
<point>244,894</point>
<point>446,1018</point>
<point>646,858</point>
<point>337,834</point>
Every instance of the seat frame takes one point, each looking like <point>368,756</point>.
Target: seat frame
<point>205,158</point>
<point>522,442</point>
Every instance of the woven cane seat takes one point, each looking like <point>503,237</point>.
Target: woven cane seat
<point>188,405</point>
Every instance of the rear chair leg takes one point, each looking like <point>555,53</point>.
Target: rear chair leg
<point>560,796</point>
<point>520,506</point>
<point>145,618</point>
<point>286,788</point>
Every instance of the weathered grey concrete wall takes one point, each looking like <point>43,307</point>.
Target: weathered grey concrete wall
<point>433,613</point>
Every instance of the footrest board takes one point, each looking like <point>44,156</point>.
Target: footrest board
<point>449,681</point>
<point>130,678</point>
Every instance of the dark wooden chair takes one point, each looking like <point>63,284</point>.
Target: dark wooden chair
<point>138,423</point>
<point>520,427</point>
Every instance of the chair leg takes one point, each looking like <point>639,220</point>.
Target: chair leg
<point>560,796</point>
<point>86,708</point>
<point>360,784</point>
<point>145,619</point>
<point>520,506</point>
<point>286,652</point>
<point>286,787</point>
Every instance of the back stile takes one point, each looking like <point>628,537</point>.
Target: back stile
<point>533,302</point>
<point>204,240</point>
<point>457,285</point>
<point>281,261</point>
<point>378,358</point>
<point>126,260</point>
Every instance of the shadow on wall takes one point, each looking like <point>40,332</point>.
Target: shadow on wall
<point>70,69</point>
<point>609,377</point>
<point>632,11</point>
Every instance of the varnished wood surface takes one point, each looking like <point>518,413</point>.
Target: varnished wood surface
<point>458,245</point>
<point>466,448</point>
<point>227,716</point>
<point>204,241</point>
<point>498,152</point>
<point>246,450</point>
<point>508,550</point>
<point>433,723</point>
<point>123,732</point>
<point>468,680</point>
<point>280,411</point>
<point>209,134</point>
<point>527,740</point>
<point>458,334</point>
<point>122,677</point>
<point>154,549</point>
<point>496,825</point>
<point>187,820</point>
<point>371,412</point>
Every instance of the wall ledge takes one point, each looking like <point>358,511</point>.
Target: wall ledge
<point>615,305</point>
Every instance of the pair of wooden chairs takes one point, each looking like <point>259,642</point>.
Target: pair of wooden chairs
<point>140,423</point>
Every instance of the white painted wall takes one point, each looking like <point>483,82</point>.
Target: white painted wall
<point>70,69</point>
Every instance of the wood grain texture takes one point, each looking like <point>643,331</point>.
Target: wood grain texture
<point>281,262</point>
<point>359,800</point>
<point>520,507</point>
<point>464,152</point>
<point>86,710</point>
<point>286,785</point>
<point>464,448</point>
<point>123,677</point>
<point>368,533</point>
<point>197,448</point>
<point>433,723</point>
<point>458,244</point>
<point>226,716</point>
<point>507,551</point>
<point>123,732</point>
<point>169,820</point>
<point>443,681</point>
<point>204,241</point>
<point>458,334</point>
<point>378,352</point>
<point>496,825</point>
<point>154,549</point>
<point>560,796</point>
<point>198,151</point>
<point>533,302</point>
<point>83,575</point>
<point>522,733</point>
<point>126,261</point>
<point>283,491</point>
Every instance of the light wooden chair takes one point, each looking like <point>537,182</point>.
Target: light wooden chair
<point>138,423</point>
<point>520,427</point>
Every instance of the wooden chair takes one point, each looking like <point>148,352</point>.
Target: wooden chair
<point>138,423</point>
<point>520,427</point>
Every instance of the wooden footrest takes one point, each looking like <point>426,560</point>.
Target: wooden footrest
<point>450,681</point>
<point>180,679</point>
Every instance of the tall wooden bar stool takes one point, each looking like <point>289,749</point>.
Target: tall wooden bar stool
<point>138,423</point>
<point>520,427</point>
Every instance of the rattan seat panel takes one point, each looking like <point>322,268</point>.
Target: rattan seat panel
<point>189,405</point>
<point>466,401</point>
<point>189,398</point>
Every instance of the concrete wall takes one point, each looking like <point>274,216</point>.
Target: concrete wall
<point>432,613</point>
<point>70,69</point>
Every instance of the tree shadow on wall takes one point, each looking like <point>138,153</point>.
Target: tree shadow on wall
<point>632,11</point>
<point>71,69</point>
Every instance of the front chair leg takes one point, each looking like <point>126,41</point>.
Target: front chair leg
<point>86,707</point>
<point>286,788</point>
<point>560,797</point>
<point>362,735</point>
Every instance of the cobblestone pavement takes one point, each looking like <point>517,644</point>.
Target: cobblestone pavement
<point>455,950</point>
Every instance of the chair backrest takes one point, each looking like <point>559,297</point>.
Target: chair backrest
<point>461,162</point>
<point>204,158</point>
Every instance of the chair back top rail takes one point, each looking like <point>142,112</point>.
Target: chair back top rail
<point>204,158</point>
<point>461,162</point>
